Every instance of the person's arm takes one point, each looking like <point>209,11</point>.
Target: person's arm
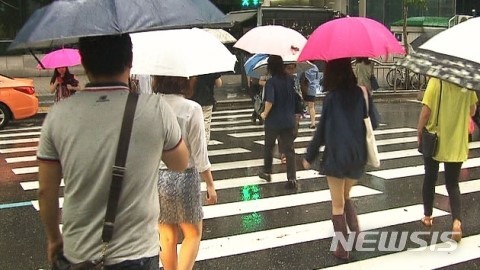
<point>211,192</point>
<point>422,121</point>
<point>176,159</point>
<point>50,175</point>
<point>473,108</point>
<point>266,110</point>
<point>53,86</point>
<point>218,82</point>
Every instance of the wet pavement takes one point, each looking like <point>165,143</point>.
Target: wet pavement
<point>259,225</point>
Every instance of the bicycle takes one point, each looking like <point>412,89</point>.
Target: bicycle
<point>397,76</point>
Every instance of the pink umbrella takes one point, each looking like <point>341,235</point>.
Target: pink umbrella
<point>61,58</point>
<point>272,39</point>
<point>350,37</point>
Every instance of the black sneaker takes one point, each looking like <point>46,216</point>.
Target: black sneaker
<point>292,184</point>
<point>265,176</point>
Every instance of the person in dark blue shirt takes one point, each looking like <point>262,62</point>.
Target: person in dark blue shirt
<point>342,130</point>
<point>279,117</point>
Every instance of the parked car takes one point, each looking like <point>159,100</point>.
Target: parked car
<point>17,99</point>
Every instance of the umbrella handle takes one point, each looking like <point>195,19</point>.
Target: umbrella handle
<point>36,58</point>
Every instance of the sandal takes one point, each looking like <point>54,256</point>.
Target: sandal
<point>427,221</point>
<point>457,232</point>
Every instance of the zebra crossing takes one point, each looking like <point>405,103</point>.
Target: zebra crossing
<point>260,225</point>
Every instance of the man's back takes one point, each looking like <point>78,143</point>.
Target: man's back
<point>82,133</point>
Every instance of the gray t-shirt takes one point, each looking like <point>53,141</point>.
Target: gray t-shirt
<point>82,133</point>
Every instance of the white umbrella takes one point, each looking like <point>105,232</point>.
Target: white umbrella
<point>221,35</point>
<point>452,55</point>
<point>181,53</point>
<point>272,39</point>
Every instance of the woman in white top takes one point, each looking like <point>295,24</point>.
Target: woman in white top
<point>179,193</point>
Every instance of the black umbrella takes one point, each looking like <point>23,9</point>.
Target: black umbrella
<point>424,38</point>
<point>64,21</point>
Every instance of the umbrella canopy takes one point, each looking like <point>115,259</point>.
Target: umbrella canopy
<point>61,58</point>
<point>350,37</point>
<point>272,39</point>
<point>252,62</point>
<point>181,52</point>
<point>260,69</point>
<point>64,21</point>
<point>221,35</point>
<point>451,55</point>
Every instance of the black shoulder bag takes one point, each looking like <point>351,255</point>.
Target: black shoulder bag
<point>429,143</point>
<point>118,173</point>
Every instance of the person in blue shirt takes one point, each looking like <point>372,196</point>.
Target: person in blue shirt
<point>279,118</point>
<point>310,84</point>
<point>341,129</point>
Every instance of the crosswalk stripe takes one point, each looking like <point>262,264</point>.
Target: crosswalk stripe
<point>424,258</point>
<point>272,203</point>
<point>214,142</point>
<point>230,128</point>
<point>20,129</point>
<point>231,116</point>
<point>240,164</point>
<point>261,240</point>
<point>215,167</point>
<point>221,184</point>
<point>18,149</point>
<point>376,132</point>
<point>19,134</point>
<point>393,154</point>
<point>33,185</point>
<point>228,151</point>
<point>255,180</point>
<point>379,142</point>
<point>3,142</point>
<point>220,152</point>
<point>250,110</point>
<point>21,159</point>
<point>222,123</point>
<point>25,170</point>
<point>465,187</point>
<point>398,173</point>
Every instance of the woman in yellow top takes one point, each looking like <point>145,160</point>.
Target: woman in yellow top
<point>454,106</point>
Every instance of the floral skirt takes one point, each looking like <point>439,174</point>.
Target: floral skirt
<point>179,197</point>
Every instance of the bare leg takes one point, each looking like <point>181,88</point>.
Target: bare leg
<point>337,190</point>
<point>192,234</point>
<point>311,111</point>
<point>168,243</point>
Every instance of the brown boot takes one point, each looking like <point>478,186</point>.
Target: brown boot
<point>352,221</point>
<point>351,216</point>
<point>340,227</point>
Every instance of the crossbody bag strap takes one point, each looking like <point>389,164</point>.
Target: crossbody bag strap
<point>118,171</point>
<point>439,100</point>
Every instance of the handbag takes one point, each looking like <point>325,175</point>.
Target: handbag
<point>118,173</point>
<point>429,143</point>
<point>258,102</point>
<point>374,82</point>
<point>373,158</point>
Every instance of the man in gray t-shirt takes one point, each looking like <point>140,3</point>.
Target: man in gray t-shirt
<point>79,142</point>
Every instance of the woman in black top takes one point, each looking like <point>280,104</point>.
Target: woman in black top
<point>342,130</point>
<point>63,83</point>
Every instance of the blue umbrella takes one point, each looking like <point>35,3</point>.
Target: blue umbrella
<point>252,62</point>
<point>64,21</point>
